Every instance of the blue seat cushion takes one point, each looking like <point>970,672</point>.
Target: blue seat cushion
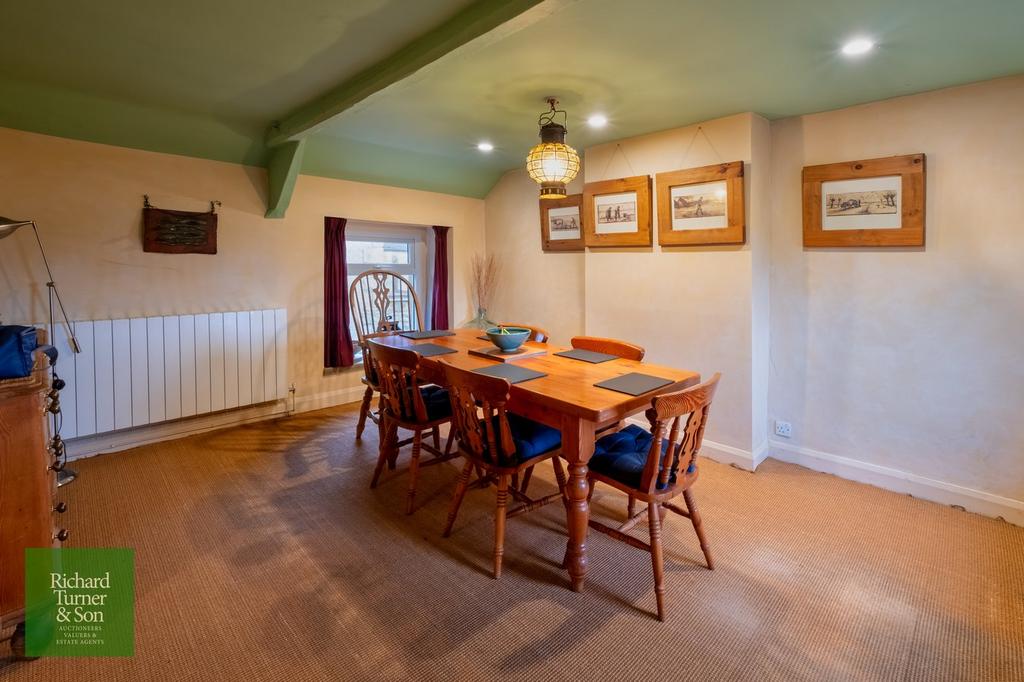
<point>531,438</point>
<point>623,455</point>
<point>435,399</point>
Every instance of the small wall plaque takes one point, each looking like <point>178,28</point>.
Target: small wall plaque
<point>167,231</point>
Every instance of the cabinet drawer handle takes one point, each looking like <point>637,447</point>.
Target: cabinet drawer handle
<point>61,507</point>
<point>62,534</point>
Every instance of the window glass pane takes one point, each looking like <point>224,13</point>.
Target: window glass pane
<point>399,254</point>
<point>369,252</point>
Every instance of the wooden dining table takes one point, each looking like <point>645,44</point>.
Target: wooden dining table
<point>565,399</point>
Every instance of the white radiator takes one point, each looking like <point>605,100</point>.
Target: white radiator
<point>138,371</point>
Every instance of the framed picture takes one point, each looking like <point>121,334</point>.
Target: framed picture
<point>877,202</point>
<point>701,206</point>
<point>618,212</point>
<point>561,225</point>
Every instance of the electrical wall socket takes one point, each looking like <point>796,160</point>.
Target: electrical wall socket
<point>784,429</point>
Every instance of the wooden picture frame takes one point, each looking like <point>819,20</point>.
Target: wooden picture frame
<point>683,221</point>
<point>554,210</point>
<point>874,202</point>
<point>630,225</point>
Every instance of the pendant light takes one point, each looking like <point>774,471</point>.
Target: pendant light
<point>552,164</point>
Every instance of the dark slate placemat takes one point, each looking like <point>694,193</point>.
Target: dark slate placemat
<point>590,356</point>
<point>634,383</point>
<point>430,349</point>
<point>512,373</point>
<point>430,334</point>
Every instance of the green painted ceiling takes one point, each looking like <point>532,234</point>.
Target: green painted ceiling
<point>206,78</point>
<point>196,77</point>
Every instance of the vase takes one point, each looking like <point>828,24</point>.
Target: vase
<point>481,321</point>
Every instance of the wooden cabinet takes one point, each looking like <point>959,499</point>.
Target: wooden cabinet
<point>29,514</point>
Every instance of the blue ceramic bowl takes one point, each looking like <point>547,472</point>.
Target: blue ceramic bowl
<point>509,341</point>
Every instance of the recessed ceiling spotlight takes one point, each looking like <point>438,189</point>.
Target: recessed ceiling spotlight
<point>858,46</point>
<point>597,121</point>
<point>485,147</point>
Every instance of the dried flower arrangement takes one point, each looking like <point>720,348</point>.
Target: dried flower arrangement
<point>484,275</point>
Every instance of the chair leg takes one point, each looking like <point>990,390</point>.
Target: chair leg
<point>556,463</point>
<point>591,483</point>
<point>657,560</point>
<point>499,524</point>
<point>384,450</point>
<point>436,434</point>
<point>526,481</point>
<point>698,526</point>
<point>451,439</point>
<point>364,410</point>
<point>631,507</point>
<point>460,492</point>
<point>414,471</point>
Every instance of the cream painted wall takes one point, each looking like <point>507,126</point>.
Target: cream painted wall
<point>689,307</point>
<point>87,199</point>
<point>910,359</point>
<point>900,363</point>
<point>546,289</point>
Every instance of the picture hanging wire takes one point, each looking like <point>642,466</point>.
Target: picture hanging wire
<point>699,131</point>
<point>618,150</point>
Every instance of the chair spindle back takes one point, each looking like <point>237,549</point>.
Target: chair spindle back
<point>489,438</point>
<point>383,301</point>
<point>686,410</point>
<point>397,371</point>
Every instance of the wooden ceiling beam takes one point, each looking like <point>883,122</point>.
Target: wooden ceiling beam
<point>282,172</point>
<point>480,18</point>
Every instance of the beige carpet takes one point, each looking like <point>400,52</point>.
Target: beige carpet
<point>261,554</point>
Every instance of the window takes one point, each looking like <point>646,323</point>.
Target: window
<point>399,249</point>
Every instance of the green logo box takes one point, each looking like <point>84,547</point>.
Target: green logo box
<point>80,602</point>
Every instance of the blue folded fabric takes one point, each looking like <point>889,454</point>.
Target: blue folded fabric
<point>16,346</point>
<point>623,456</point>
<point>435,399</point>
<point>531,438</point>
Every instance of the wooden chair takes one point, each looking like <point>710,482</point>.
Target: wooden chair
<point>623,349</point>
<point>537,335</point>
<point>381,302</point>
<point>655,467</point>
<point>409,405</point>
<point>501,444</point>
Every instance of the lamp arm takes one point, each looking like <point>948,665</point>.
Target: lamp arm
<point>11,229</point>
<point>72,339</point>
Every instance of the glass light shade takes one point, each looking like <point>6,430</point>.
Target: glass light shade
<point>552,165</point>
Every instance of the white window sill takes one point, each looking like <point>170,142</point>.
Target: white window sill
<point>357,364</point>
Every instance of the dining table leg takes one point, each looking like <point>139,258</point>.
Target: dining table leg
<point>577,447</point>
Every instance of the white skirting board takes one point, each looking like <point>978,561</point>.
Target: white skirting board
<point>888,478</point>
<point>115,441</point>
<point>972,500</point>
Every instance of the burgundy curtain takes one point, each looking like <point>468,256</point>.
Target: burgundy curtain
<point>439,292</point>
<point>337,340</point>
